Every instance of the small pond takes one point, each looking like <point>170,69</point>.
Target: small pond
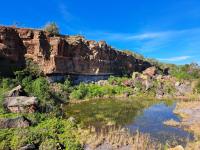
<point>146,116</point>
<point>151,122</point>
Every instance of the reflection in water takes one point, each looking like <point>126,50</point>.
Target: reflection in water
<point>151,121</point>
<point>146,116</point>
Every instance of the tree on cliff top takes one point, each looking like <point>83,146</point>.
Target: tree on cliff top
<point>52,28</point>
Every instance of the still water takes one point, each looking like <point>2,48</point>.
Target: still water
<point>146,116</point>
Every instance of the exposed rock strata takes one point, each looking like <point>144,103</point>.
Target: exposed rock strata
<point>63,54</point>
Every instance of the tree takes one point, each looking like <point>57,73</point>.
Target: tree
<point>52,28</point>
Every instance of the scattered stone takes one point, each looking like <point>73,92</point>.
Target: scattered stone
<point>102,82</point>
<point>151,71</point>
<point>148,84</point>
<point>21,104</point>
<point>183,88</point>
<point>160,93</point>
<point>129,83</point>
<point>126,94</point>
<point>28,147</point>
<point>72,119</point>
<point>19,122</point>
<point>135,75</point>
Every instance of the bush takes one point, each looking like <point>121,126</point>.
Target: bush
<point>40,88</point>
<point>5,85</point>
<point>198,86</point>
<point>50,133</point>
<point>80,92</point>
<point>187,72</point>
<point>48,144</point>
<point>52,28</point>
<point>95,91</point>
<point>116,80</point>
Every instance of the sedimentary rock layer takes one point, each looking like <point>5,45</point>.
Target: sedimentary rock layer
<point>63,54</point>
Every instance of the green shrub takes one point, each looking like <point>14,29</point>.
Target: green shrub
<point>48,144</point>
<point>80,92</point>
<point>198,86</point>
<point>95,91</point>
<point>116,80</point>
<point>6,84</point>
<point>188,71</point>
<point>50,133</point>
<point>67,86</point>
<point>40,88</point>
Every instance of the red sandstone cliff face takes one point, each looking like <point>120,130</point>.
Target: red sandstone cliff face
<point>64,54</point>
<point>12,50</point>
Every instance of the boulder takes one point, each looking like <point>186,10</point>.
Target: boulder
<point>72,119</point>
<point>28,147</point>
<point>21,104</point>
<point>159,93</point>
<point>19,122</point>
<point>148,84</point>
<point>17,91</point>
<point>102,82</point>
<point>129,83</point>
<point>183,88</point>
<point>135,75</point>
<point>151,71</point>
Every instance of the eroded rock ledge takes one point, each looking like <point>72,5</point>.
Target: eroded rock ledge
<point>63,54</point>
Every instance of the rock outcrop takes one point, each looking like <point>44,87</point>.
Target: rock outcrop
<point>151,71</point>
<point>63,54</point>
<point>19,122</point>
<point>21,104</point>
<point>28,147</point>
<point>12,51</point>
<point>17,91</point>
<point>17,101</point>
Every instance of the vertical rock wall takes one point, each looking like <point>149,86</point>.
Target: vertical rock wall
<point>63,54</point>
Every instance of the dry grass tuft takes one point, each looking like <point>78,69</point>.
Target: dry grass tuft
<point>117,138</point>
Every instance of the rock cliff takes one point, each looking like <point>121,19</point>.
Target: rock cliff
<point>63,54</point>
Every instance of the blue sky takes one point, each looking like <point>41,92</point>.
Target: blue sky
<point>168,30</point>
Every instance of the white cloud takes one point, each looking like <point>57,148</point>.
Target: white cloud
<point>126,36</point>
<point>173,59</point>
<point>65,12</point>
<point>142,36</point>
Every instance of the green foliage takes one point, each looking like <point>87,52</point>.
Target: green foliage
<point>32,69</point>
<point>40,88</point>
<point>197,87</point>
<point>116,80</point>
<point>49,133</point>
<point>94,91</point>
<point>5,85</point>
<point>48,144</point>
<point>67,86</point>
<point>186,72</point>
<point>52,28</point>
<point>80,92</point>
